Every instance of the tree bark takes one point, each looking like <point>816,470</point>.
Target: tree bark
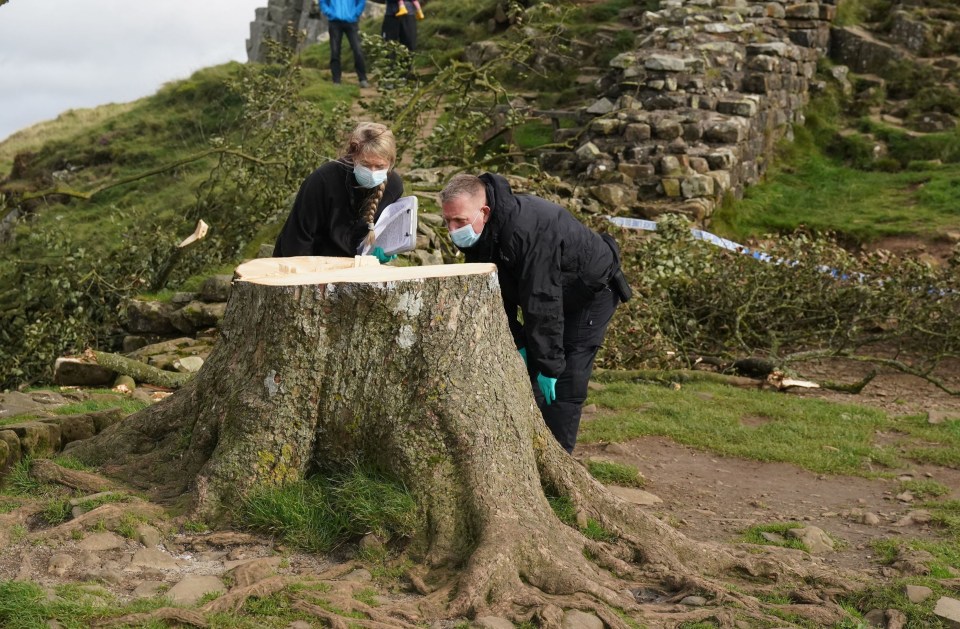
<point>413,369</point>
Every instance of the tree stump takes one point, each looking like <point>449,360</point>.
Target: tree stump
<point>324,361</point>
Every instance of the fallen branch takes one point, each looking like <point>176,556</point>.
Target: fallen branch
<point>141,372</point>
<point>677,376</point>
<point>853,387</point>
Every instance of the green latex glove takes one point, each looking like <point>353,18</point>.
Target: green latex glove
<point>548,386</point>
<point>380,255</point>
<point>523,354</point>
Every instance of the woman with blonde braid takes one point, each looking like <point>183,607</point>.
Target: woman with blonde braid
<point>339,202</point>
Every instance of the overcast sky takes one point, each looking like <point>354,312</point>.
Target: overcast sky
<point>57,55</point>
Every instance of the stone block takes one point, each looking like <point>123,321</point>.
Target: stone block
<point>671,187</point>
<point>806,11</point>
<point>670,166</point>
<point>948,611</point>
<point>624,60</point>
<point>664,63</point>
<point>697,186</point>
<point>636,132</point>
<point>692,131</point>
<point>197,315</point>
<point>600,107</point>
<point>745,107</point>
<point>613,195</point>
<point>723,132</point>
<point>588,152</point>
<point>149,317</point>
<point>636,171</point>
<point>12,446</point>
<point>810,37</point>
<point>605,126</point>
<point>77,372</point>
<point>667,129</point>
<point>37,439</point>
<point>216,288</point>
<point>74,427</point>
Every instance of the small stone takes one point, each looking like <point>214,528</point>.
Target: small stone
<point>694,601</point>
<point>876,618</point>
<point>188,364</point>
<point>776,538</point>
<point>814,538</point>
<point>154,557</point>
<point>99,542</point>
<point>148,536</point>
<point>918,593</point>
<point>905,497</point>
<point>948,610</point>
<point>359,575</point>
<point>492,622</point>
<point>870,519</point>
<point>576,619</point>
<point>59,564</point>
<point>149,589</point>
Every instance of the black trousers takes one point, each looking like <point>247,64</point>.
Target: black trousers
<point>402,29</point>
<point>337,30</point>
<point>583,332</point>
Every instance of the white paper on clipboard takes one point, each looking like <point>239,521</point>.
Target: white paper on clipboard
<point>396,229</point>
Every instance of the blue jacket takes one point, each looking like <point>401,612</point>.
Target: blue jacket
<point>342,10</point>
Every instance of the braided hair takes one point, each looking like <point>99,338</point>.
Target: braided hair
<point>375,140</point>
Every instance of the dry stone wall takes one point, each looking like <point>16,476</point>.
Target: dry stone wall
<point>285,21</point>
<point>695,111</point>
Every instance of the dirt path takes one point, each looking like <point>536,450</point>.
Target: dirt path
<point>709,497</point>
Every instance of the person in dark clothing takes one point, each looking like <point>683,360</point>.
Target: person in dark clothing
<point>342,18</point>
<point>338,204</point>
<point>564,278</point>
<point>399,25</point>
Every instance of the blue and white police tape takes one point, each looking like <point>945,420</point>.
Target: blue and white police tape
<point>713,239</point>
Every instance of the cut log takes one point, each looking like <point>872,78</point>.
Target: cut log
<point>322,362</point>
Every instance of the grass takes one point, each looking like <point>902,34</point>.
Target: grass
<point>754,535</point>
<point>25,605</point>
<point>610,473</point>
<point>321,513</point>
<point>924,488</point>
<point>820,436</point>
<point>828,181</point>
<point>104,400</point>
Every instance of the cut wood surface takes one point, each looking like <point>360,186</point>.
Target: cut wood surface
<point>304,270</point>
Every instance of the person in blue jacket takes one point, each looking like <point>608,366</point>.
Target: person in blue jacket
<point>342,17</point>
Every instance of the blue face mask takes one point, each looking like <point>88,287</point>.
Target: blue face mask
<point>464,237</point>
<point>369,178</point>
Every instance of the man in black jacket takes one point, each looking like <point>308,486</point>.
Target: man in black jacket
<point>564,278</point>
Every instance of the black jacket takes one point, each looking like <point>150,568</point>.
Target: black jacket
<point>548,264</point>
<point>326,217</point>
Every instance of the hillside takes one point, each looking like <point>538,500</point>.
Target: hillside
<point>864,166</point>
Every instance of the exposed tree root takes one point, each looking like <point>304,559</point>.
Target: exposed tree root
<point>46,471</point>
<point>235,598</point>
<point>174,615</point>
